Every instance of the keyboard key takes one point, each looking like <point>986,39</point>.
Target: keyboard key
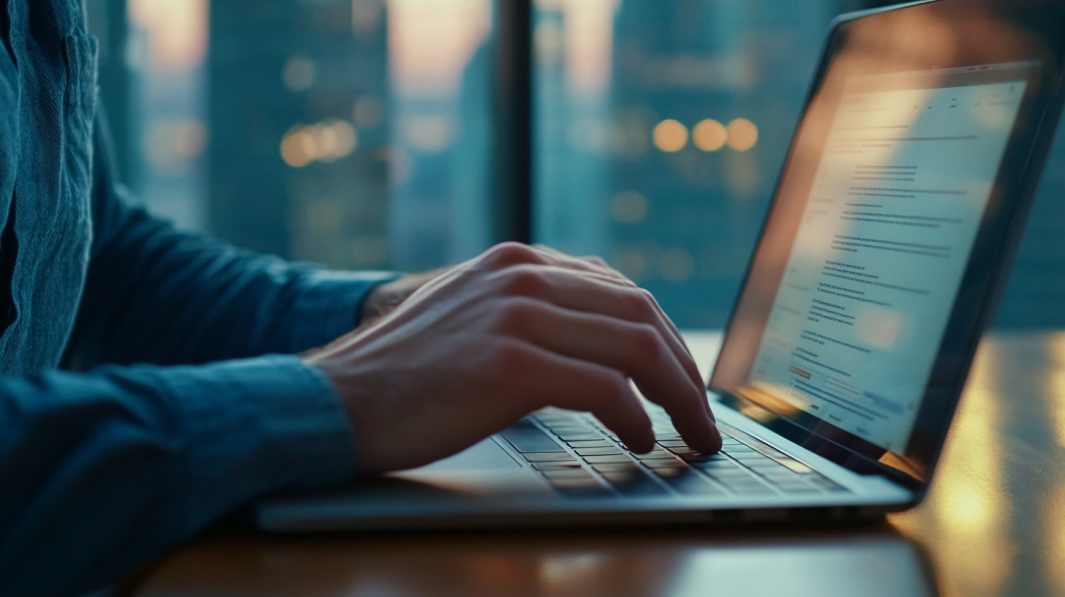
<point>657,464</point>
<point>673,443</point>
<point>598,451</point>
<point>766,467</point>
<point>752,490</point>
<point>735,473</point>
<point>664,462</point>
<point>547,466</point>
<point>549,457</point>
<point>698,457</point>
<point>577,437</point>
<point>667,473</point>
<point>528,438</point>
<point>616,468</point>
<point>715,464</point>
<point>599,443</point>
<point>572,431</point>
<point>567,473</point>
<point>784,477</point>
<point>789,488</point>
<point>554,420</point>
<point>752,457</point>
<point>611,459</point>
<point>656,454</point>
<point>623,475</point>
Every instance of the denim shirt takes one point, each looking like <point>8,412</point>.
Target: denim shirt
<point>189,402</point>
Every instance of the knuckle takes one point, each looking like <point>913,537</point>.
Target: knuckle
<point>642,303</point>
<point>523,280</point>
<point>514,314</point>
<point>510,253</point>
<point>647,341</point>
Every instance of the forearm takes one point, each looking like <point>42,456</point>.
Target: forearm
<point>109,470</point>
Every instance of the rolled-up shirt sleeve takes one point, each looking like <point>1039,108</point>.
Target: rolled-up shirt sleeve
<point>109,469</point>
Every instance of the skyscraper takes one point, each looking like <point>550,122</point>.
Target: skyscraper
<point>668,172</point>
<point>298,159</point>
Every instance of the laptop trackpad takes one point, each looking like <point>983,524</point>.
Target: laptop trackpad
<point>486,455</point>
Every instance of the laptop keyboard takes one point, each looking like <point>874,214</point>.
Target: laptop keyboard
<point>580,458</point>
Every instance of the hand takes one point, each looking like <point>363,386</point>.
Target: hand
<point>386,297</point>
<point>489,341</point>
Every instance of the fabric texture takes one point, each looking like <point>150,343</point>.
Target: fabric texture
<point>178,398</point>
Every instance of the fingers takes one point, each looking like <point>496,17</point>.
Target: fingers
<point>637,349</point>
<point>515,254</point>
<point>585,294</point>
<point>552,379</point>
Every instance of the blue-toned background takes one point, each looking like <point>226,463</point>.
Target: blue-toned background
<point>358,132</point>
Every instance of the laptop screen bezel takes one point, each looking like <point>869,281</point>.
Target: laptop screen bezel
<point>984,276</point>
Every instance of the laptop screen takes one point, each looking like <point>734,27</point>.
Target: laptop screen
<point>888,238</point>
<point>903,182</point>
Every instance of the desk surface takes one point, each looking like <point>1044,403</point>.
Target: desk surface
<point>993,524</point>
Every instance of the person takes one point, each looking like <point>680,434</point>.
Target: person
<point>153,380</point>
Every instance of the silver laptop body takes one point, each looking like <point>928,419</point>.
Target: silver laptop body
<point>884,251</point>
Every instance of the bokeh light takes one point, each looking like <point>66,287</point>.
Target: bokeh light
<point>742,134</point>
<point>325,142</point>
<point>670,136</point>
<point>709,135</point>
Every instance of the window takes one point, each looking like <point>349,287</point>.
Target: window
<point>359,133</point>
<point>661,130</point>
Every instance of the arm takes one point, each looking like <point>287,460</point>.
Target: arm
<point>106,471</point>
<point>155,294</point>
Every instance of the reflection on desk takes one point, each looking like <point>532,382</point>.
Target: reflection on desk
<point>597,563</point>
<point>993,524</point>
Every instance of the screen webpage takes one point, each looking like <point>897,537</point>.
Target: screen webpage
<point>885,237</point>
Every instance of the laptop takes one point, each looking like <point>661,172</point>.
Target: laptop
<point>886,246</point>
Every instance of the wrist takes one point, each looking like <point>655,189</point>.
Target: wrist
<point>384,298</point>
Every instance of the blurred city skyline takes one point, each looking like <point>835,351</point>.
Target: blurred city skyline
<point>358,133</point>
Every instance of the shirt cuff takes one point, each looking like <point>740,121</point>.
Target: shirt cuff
<point>329,303</point>
<point>257,426</point>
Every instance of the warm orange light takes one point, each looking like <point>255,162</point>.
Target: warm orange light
<point>298,148</point>
<point>327,142</point>
<point>742,134</point>
<point>670,136</point>
<point>430,43</point>
<point>588,42</point>
<point>709,135</point>
<point>177,30</point>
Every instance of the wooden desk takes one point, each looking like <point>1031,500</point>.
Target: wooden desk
<point>993,524</point>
